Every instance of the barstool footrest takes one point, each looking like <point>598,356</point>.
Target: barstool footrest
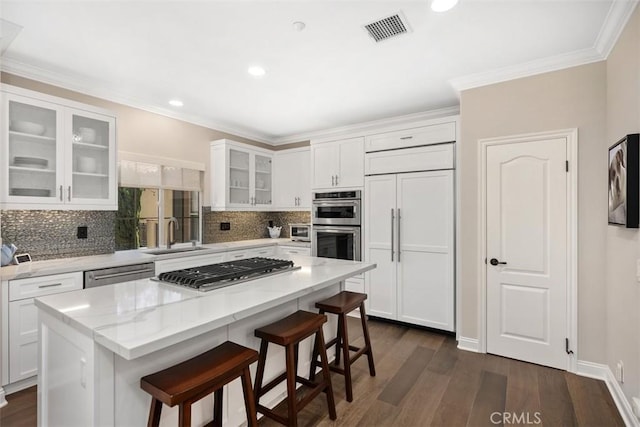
<point>271,414</point>
<point>274,382</point>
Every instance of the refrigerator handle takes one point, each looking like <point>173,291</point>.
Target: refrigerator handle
<point>399,218</point>
<point>392,230</point>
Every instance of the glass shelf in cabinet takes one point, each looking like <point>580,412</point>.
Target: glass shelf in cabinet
<point>89,145</point>
<point>90,174</point>
<point>32,137</point>
<point>28,169</point>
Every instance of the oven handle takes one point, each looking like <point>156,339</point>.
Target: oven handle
<point>340,229</point>
<point>352,202</point>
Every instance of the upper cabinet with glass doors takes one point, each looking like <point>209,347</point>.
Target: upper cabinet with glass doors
<point>56,154</point>
<point>241,177</point>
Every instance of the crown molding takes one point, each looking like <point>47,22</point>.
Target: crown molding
<point>95,88</point>
<point>614,23</point>
<point>381,125</point>
<point>527,69</point>
<point>617,17</point>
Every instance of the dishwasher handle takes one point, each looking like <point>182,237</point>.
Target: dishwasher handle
<point>124,273</point>
<point>110,276</point>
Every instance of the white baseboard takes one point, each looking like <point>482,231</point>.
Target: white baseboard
<point>21,385</point>
<point>468,344</point>
<point>603,372</point>
<point>3,401</point>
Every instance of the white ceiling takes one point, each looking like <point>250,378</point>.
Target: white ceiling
<point>330,75</point>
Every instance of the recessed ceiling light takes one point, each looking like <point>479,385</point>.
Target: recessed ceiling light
<point>442,5</point>
<point>299,26</point>
<point>256,71</point>
<point>176,103</point>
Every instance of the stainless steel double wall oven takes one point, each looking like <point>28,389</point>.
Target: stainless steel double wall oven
<point>337,217</point>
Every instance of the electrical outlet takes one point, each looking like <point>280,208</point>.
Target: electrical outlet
<point>225,226</point>
<point>83,232</point>
<point>620,372</point>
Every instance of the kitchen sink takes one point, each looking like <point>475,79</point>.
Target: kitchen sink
<point>173,250</point>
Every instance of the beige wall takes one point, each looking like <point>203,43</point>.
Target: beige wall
<point>623,245</point>
<point>571,98</point>
<point>141,131</point>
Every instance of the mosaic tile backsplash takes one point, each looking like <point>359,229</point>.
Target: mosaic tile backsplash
<point>53,234</point>
<point>247,225</point>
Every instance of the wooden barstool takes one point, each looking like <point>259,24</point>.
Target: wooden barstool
<point>342,304</point>
<point>289,332</point>
<point>187,382</point>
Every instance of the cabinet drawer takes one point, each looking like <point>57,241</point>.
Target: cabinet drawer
<point>427,135</point>
<point>433,157</point>
<point>187,262</point>
<point>266,251</point>
<point>261,252</point>
<point>294,250</point>
<point>45,285</point>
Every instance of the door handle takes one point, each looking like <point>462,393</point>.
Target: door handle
<point>399,218</point>
<point>336,179</point>
<point>61,199</point>
<point>333,180</point>
<point>392,229</point>
<point>69,194</point>
<point>494,261</point>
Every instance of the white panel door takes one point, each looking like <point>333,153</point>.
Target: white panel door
<point>425,249</point>
<point>526,229</point>
<point>380,217</point>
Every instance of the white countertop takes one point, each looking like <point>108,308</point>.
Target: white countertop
<point>120,258</point>
<point>136,318</point>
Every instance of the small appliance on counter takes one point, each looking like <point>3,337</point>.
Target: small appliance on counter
<point>300,232</point>
<point>9,256</point>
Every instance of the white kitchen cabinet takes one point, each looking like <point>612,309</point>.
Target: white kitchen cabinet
<point>409,234</point>
<point>435,133</point>
<point>292,179</point>
<point>56,154</point>
<point>337,164</point>
<point>23,319</point>
<point>241,176</point>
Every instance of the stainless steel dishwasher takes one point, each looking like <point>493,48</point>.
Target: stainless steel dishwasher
<point>125,273</point>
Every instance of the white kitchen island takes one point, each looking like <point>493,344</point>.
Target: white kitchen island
<point>97,343</point>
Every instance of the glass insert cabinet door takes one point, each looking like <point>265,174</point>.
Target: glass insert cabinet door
<point>92,157</point>
<point>34,154</point>
<point>239,177</point>
<point>263,173</point>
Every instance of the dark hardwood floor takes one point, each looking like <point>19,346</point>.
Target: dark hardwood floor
<point>422,380</point>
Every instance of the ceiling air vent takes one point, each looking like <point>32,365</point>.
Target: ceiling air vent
<point>387,27</point>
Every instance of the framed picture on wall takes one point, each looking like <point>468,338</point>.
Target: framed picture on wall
<point>624,182</point>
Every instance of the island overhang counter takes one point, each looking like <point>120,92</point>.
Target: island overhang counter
<point>97,343</point>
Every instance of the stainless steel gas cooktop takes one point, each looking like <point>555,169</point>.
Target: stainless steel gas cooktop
<point>214,276</point>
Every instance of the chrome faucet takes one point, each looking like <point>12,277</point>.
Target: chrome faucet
<point>176,226</point>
